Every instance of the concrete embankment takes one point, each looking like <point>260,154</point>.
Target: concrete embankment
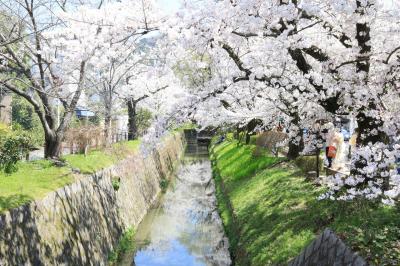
<point>79,224</point>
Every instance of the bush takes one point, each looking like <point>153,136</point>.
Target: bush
<point>25,119</point>
<point>269,140</point>
<point>143,121</point>
<point>83,137</point>
<point>126,244</point>
<point>381,245</point>
<point>13,146</point>
<point>119,150</point>
<point>308,163</point>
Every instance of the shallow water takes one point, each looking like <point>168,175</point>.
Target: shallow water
<point>185,228</point>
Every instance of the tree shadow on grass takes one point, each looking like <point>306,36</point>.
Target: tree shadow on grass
<point>237,162</point>
<point>280,215</point>
<point>13,201</point>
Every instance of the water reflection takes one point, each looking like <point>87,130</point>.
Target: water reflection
<point>176,254</point>
<point>185,229</point>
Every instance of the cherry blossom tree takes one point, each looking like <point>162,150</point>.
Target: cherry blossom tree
<point>54,54</point>
<point>152,89</point>
<point>311,58</point>
<point>44,58</point>
<point>123,56</point>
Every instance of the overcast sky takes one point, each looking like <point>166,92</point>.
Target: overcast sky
<point>170,6</point>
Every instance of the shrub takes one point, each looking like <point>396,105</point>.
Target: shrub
<point>84,137</point>
<point>269,140</point>
<point>126,244</point>
<point>14,144</point>
<point>25,119</point>
<point>381,245</point>
<point>12,148</point>
<point>164,185</point>
<point>308,163</point>
<point>118,150</point>
<point>143,121</point>
<point>116,183</point>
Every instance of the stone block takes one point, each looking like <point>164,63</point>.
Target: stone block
<point>327,249</point>
<point>348,257</point>
<point>341,249</point>
<point>317,242</point>
<point>308,252</point>
<point>359,262</point>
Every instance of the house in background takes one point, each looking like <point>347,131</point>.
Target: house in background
<point>83,113</point>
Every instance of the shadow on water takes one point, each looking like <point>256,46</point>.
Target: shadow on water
<point>184,228</point>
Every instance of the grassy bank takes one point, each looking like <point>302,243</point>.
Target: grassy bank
<point>271,213</point>
<point>34,180</point>
<point>98,159</point>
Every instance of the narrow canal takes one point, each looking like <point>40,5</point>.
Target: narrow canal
<point>184,228</point>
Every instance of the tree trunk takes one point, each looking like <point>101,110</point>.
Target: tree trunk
<point>132,127</point>
<point>251,126</point>
<point>237,133</point>
<point>295,148</point>
<point>107,95</point>
<point>107,129</point>
<point>53,144</point>
<point>317,159</point>
<point>369,127</point>
<point>366,125</point>
<point>248,135</point>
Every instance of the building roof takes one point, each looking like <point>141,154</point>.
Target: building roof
<point>83,112</point>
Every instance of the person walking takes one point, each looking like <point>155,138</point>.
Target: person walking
<point>331,145</point>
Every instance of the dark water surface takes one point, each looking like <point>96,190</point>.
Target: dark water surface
<point>185,228</point>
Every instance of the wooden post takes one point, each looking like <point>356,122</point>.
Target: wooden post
<point>318,152</point>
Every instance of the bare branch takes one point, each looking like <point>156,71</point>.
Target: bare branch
<point>31,100</point>
<point>391,54</point>
<point>236,59</point>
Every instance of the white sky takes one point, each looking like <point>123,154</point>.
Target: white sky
<point>170,6</point>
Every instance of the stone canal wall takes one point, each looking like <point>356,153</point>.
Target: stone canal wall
<point>79,224</point>
<point>328,249</point>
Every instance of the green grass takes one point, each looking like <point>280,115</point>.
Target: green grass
<point>33,180</point>
<point>184,126</point>
<point>271,213</point>
<point>99,159</point>
<point>126,244</point>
